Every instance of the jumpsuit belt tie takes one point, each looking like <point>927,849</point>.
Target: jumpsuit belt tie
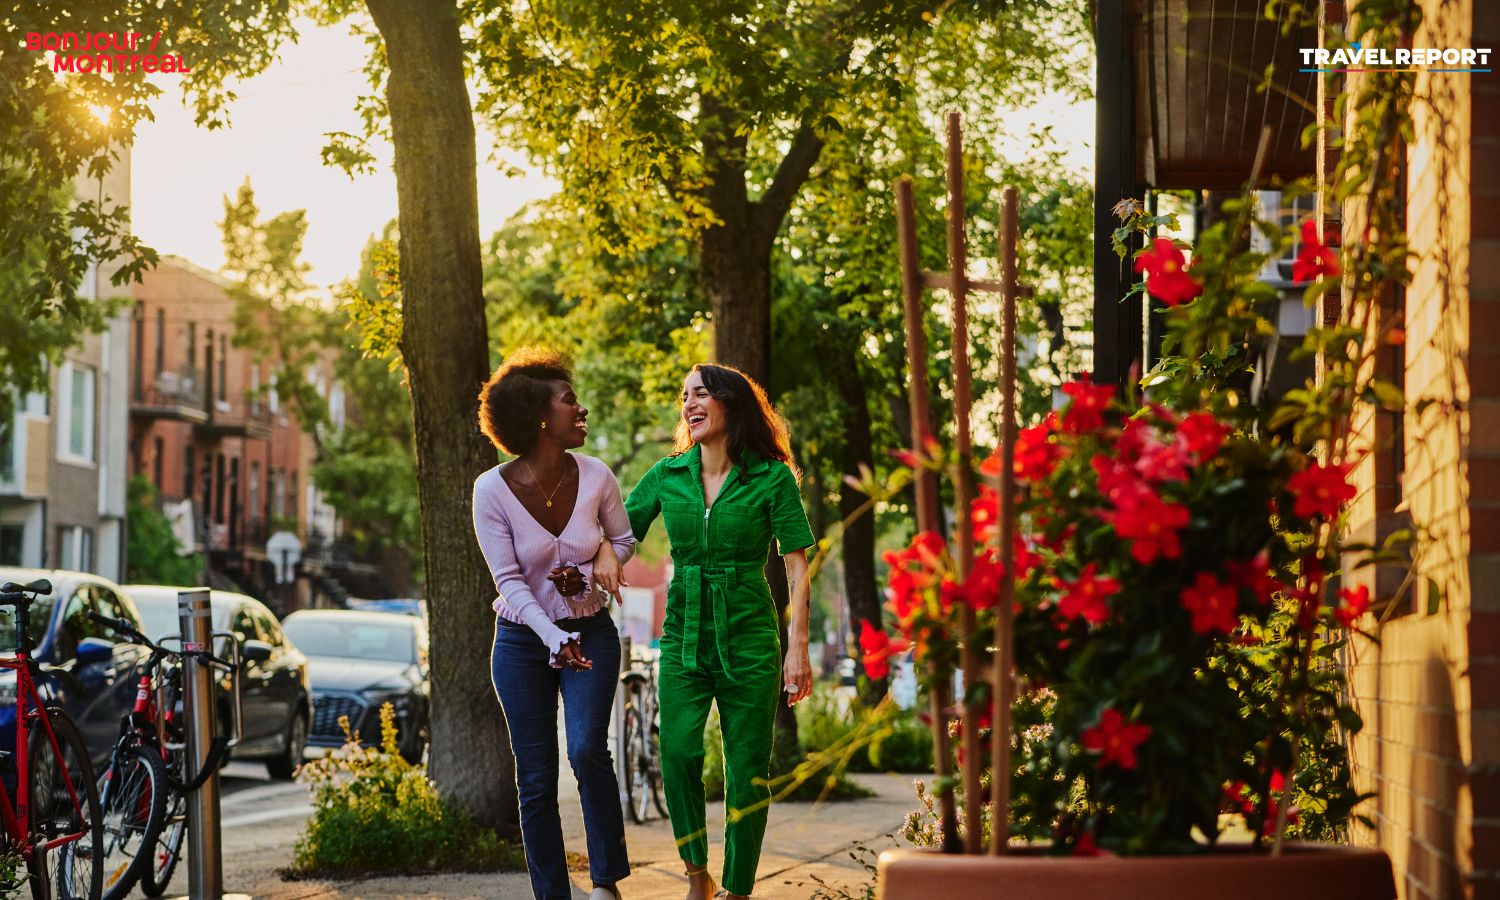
<point>719,581</point>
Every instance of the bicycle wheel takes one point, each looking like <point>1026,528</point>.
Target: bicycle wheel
<point>169,840</point>
<point>636,786</point>
<point>64,804</point>
<point>168,850</point>
<point>653,772</point>
<point>133,797</point>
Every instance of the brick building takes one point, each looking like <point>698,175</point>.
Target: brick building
<point>229,462</point>
<point>1429,689</point>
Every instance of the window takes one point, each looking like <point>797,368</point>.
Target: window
<point>255,398</point>
<point>223,365</point>
<point>111,606</point>
<point>219,488</point>
<point>255,489</point>
<point>75,426</point>
<point>278,493</point>
<point>138,323</point>
<point>192,344</point>
<point>7,454</point>
<point>269,630</point>
<point>161,339</point>
<point>156,454</point>
<point>242,624</point>
<point>76,625</point>
<point>75,548</point>
<point>12,538</point>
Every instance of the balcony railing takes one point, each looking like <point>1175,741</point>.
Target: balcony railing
<point>174,394</point>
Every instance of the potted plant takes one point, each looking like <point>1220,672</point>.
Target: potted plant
<point>1168,587</point>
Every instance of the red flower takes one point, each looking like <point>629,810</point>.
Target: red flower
<point>1151,525</point>
<point>1320,490</point>
<point>1085,846</point>
<point>1086,412</point>
<point>1036,455</point>
<point>1120,484</point>
<point>1115,739</point>
<point>1202,435</point>
<point>907,458</point>
<point>1167,275</point>
<point>1088,596</point>
<point>1162,462</point>
<point>877,649</point>
<point>1356,603</point>
<point>1212,603</point>
<point>981,590</point>
<point>1255,575</point>
<point>912,571</point>
<point>1314,260</point>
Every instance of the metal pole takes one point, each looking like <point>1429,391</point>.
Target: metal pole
<point>620,772</point>
<point>205,865</point>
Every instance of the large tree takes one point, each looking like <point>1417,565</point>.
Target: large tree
<point>443,347</point>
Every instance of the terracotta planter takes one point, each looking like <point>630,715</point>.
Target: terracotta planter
<point>1303,872</point>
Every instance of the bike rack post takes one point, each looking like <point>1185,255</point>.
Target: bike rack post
<point>200,708</point>
<point>622,777</point>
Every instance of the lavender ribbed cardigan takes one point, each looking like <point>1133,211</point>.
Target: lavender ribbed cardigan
<point>521,553</point>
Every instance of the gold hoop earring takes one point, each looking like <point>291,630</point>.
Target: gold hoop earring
<point>544,424</point>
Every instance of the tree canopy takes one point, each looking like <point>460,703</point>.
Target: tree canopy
<point>60,129</point>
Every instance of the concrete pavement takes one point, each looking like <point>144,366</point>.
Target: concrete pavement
<point>805,843</point>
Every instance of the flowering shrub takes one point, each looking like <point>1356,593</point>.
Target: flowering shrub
<point>1176,599</point>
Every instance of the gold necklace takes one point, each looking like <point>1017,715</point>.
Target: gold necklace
<point>539,484</point>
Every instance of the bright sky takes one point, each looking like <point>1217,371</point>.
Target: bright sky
<point>180,173</point>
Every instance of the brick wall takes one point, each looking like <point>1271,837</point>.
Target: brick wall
<point>1430,689</point>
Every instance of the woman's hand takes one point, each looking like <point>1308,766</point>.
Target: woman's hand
<point>796,675</point>
<point>608,575</point>
<point>568,579</point>
<point>570,656</point>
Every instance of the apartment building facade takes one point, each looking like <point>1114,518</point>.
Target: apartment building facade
<point>230,463</point>
<point>62,457</point>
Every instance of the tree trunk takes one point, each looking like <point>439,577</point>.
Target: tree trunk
<point>859,538</point>
<point>444,347</point>
<point>735,253</point>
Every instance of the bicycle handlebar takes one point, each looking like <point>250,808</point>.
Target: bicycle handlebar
<point>136,637</point>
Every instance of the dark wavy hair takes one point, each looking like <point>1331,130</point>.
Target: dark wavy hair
<point>514,400</point>
<point>753,423</point>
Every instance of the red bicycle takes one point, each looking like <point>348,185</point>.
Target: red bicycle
<point>54,822</point>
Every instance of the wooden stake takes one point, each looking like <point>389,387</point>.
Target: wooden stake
<point>1005,486</point>
<point>963,487</point>
<point>928,517</point>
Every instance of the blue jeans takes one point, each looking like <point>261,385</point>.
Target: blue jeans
<point>528,689</point>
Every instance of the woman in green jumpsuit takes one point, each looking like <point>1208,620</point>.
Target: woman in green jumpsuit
<point>724,494</point>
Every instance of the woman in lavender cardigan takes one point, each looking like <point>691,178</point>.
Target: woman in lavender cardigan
<point>554,533</point>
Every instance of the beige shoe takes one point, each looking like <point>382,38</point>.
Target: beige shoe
<point>601,892</point>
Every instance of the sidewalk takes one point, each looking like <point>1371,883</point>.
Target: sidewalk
<point>803,842</point>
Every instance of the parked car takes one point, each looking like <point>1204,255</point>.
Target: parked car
<point>359,661</point>
<point>93,655</point>
<point>275,691</point>
<point>409,606</point>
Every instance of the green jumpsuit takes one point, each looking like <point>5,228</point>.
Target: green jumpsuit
<point>720,642</point>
